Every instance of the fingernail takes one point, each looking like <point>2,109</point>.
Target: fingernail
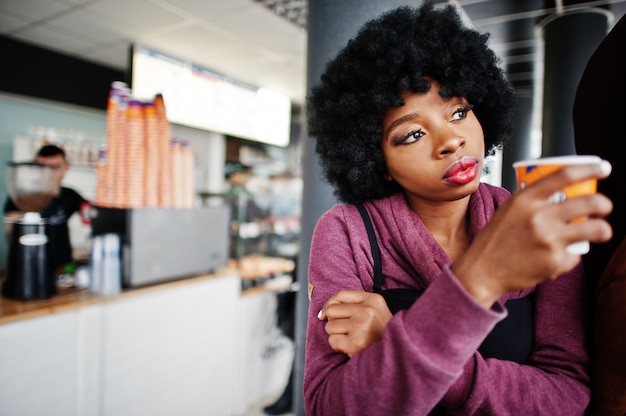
<point>319,314</point>
<point>606,167</point>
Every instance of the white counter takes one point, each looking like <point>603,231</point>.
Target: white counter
<point>190,347</point>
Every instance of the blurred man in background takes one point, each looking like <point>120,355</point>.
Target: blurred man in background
<point>61,208</point>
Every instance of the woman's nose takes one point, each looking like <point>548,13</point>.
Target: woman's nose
<point>449,141</point>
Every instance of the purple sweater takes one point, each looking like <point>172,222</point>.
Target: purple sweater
<point>428,354</point>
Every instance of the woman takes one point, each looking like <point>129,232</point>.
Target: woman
<point>457,299</point>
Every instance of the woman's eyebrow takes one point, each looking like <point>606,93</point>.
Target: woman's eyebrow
<point>401,120</point>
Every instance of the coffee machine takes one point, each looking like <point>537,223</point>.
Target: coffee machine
<point>29,273</point>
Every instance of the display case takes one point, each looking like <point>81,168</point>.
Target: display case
<point>265,225</point>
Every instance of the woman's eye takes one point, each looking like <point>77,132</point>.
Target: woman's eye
<point>461,113</point>
<point>411,137</point>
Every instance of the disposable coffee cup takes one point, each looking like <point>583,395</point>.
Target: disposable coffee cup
<point>529,171</point>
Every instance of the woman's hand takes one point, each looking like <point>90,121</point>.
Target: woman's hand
<point>525,242</point>
<point>356,320</point>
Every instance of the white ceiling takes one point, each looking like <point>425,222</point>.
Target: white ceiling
<point>238,38</point>
<point>245,41</point>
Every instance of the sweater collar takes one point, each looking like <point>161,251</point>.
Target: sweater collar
<point>412,244</point>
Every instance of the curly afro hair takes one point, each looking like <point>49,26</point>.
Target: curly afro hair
<point>389,56</point>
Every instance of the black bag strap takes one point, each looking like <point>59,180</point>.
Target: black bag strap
<point>378,268</point>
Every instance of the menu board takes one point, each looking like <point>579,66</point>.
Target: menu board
<point>201,98</point>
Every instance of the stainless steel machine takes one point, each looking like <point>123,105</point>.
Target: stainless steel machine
<point>161,244</point>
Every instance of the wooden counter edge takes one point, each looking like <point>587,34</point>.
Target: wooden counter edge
<point>17,310</point>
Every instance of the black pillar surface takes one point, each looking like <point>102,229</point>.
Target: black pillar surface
<point>569,41</point>
<point>331,23</point>
<point>519,147</point>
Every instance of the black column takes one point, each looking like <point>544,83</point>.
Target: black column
<point>569,41</point>
<point>331,23</point>
<point>520,146</point>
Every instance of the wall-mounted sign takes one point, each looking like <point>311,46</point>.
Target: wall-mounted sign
<point>201,98</point>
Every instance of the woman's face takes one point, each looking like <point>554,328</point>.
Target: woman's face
<point>433,146</point>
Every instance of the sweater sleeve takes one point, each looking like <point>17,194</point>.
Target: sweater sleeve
<point>423,352</point>
<point>554,381</point>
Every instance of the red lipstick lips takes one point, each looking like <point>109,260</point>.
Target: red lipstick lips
<point>462,171</point>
